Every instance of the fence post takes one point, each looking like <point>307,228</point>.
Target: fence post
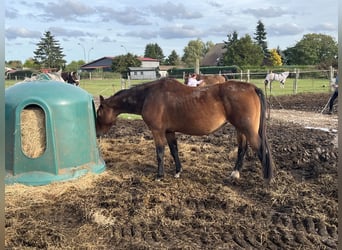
<point>197,68</point>
<point>248,75</point>
<point>295,81</point>
<point>331,73</point>
<point>241,74</point>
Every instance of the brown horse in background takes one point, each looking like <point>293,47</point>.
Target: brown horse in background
<point>71,77</point>
<point>168,106</point>
<point>207,79</point>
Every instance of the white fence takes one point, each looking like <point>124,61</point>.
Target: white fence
<point>297,81</point>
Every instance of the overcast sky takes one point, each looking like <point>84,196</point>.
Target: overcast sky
<point>97,28</point>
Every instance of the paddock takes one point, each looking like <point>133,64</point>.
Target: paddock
<point>125,208</point>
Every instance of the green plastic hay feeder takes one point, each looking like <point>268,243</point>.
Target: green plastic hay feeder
<point>67,143</point>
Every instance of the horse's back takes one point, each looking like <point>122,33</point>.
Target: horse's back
<point>199,110</point>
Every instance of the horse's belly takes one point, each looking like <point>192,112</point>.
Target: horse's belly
<point>202,126</point>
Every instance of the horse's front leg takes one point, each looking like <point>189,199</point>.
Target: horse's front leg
<point>160,142</point>
<point>242,148</point>
<point>160,149</point>
<point>172,142</point>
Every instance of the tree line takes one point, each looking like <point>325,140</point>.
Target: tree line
<point>245,51</point>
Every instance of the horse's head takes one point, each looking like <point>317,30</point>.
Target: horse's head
<point>105,117</point>
<point>75,78</point>
<point>71,77</point>
<point>269,78</point>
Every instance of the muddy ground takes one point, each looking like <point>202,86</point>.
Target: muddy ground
<point>124,208</point>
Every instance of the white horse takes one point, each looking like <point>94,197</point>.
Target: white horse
<point>54,76</point>
<point>277,77</point>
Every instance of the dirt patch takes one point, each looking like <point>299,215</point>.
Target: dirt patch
<point>124,208</point>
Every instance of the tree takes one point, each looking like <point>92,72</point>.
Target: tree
<point>195,49</point>
<point>121,63</point>
<point>208,45</point>
<point>260,38</point>
<point>313,49</point>
<point>49,54</point>
<point>15,64</point>
<point>275,58</point>
<point>242,52</point>
<point>153,50</point>
<point>29,63</point>
<point>173,59</point>
<point>74,66</point>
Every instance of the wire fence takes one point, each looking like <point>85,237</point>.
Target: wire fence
<point>298,81</point>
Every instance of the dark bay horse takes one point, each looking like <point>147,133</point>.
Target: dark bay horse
<point>168,106</point>
<point>71,77</point>
<point>207,79</point>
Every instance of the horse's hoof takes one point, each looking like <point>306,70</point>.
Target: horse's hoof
<point>235,174</point>
<point>177,175</point>
<point>158,178</point>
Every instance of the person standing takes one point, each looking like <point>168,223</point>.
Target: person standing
<point>334,96</point>
<point>192,81</point>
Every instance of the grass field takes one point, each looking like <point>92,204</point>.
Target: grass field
<point>108,87</point>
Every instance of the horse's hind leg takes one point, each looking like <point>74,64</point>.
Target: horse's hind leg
<point>172,142</point>
<point>242,148</point>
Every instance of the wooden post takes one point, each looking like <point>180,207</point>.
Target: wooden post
<point>248,76</point>
<point>331,71</point>
<point>197,66</point>
<point>295,84</point>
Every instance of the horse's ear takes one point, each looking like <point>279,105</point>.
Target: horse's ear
<point>101,99</point>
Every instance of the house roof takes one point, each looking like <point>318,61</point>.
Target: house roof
<point>102,62</point>
<point>106,62</point>
<point>148,59</point>
<point>213,55</point>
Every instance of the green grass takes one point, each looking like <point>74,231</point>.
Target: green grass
<point>108,87</point>
<point>303,86</point>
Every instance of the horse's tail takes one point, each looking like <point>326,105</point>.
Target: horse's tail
<point>264,152</point>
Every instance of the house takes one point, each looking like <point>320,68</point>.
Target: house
<point>163,70</point>
<point>214,55</point>
<point>102,64</point>
<point>143,73</point>
<point>149,62</point>
<point>147,71</point>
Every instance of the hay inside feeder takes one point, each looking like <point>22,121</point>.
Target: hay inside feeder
<point>33,131</point>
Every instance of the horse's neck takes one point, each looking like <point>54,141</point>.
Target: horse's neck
<point>128,101</point>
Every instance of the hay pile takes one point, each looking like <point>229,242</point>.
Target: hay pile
<point>33,131</point>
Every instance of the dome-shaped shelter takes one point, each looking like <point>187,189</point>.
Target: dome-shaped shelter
<point>50,133</point>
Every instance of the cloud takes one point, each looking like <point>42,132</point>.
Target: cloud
<point>15,32</point>
<point>65,9</point>
<point>267,12</point>
<point>284,29</point>
<point>11,13</point>
<point>106,39</point>
<point>323,27</point>
<point>215,4</point>
<point>170,11</point>
<point>226,29</point>
<point>180,31</point>
<point>141,34</point>
<point>58,31</point>
<point>127,16</point>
